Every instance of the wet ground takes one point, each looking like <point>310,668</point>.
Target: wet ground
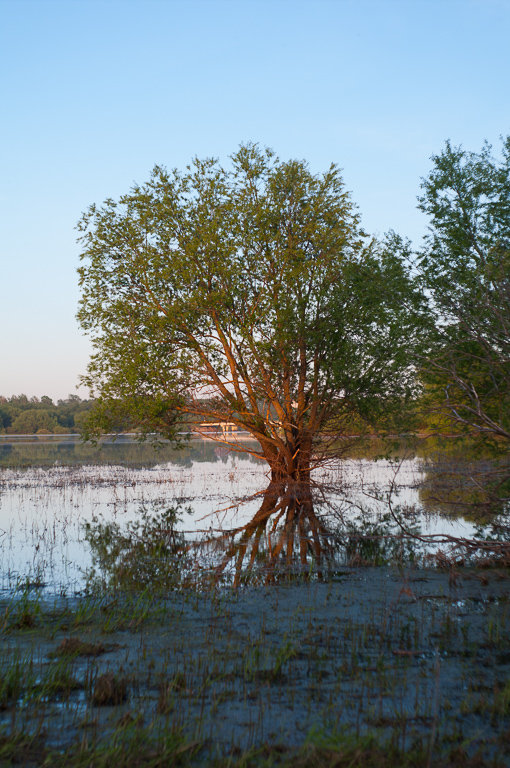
<point>402,654</point>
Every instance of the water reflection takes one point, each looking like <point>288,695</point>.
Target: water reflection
<point>126,451</point>
<point>476,490</point>
<point>43,509</point>
<point>49,491</point>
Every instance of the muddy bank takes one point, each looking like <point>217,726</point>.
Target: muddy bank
<point>403,655</point>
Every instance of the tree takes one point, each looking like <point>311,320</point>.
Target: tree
<point>32,421</point>
<point>251,296</point>
<point>5,416</point>
<point>466,268</point>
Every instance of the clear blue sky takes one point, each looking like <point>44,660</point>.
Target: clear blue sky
<point>95,92</point>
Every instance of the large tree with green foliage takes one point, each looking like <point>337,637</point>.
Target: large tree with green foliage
<point>466,267</point>
<point>248,295</point>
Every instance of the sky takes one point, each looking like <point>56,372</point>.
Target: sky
<point>94,93</point>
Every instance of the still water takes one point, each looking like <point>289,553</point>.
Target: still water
<point>50,488</point>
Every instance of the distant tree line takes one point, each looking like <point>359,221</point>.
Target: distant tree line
<point>21,415</point>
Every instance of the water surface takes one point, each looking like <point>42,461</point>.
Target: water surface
<point>50,488</point>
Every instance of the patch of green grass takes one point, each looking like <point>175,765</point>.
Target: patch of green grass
<point>57,680</point>
<point>22,749</point>
<point>15,678</point>
<point>24,610</point>
<point>130,746</point>
<point>344,751</point>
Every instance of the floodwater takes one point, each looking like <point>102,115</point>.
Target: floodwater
<point>50,488</point>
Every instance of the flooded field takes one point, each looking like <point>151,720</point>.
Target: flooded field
<point>49,490</point>
<point>401,664</point>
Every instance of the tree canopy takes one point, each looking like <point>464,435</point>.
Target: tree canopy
<point>466,269</point>
<point>248,295</point>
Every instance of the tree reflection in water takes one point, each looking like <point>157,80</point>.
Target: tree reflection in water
<point>305,529</point>
<point>286,531</point>
<point>477,490</point>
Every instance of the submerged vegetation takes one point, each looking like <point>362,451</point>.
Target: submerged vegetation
<point>375,665</point>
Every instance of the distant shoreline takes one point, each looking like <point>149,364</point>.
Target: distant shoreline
<point>124,437</point>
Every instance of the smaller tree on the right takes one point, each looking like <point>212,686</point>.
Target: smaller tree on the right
<point>466,270</point>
